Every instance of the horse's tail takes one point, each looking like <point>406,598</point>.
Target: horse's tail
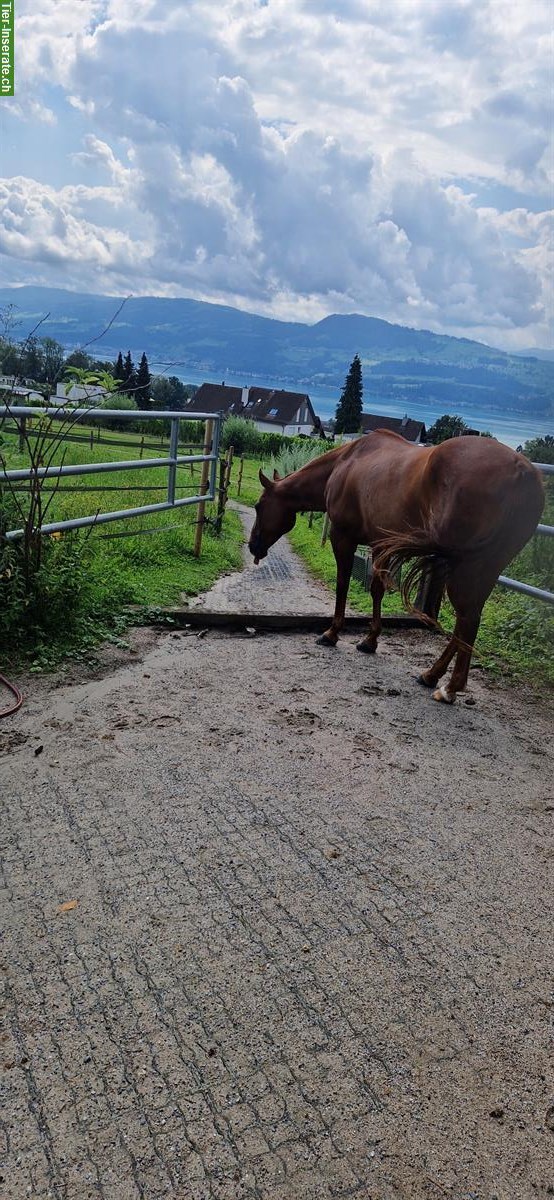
<point>428,561</point>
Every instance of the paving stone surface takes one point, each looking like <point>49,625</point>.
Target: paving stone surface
<point>277,927</point>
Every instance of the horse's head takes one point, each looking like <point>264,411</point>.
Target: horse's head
<point>275,515</point>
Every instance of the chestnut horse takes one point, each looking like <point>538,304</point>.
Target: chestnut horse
<point>462,509</point>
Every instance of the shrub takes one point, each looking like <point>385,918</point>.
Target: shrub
<point>122,403</point>
<point>38,598</point>
<point>241,434</point>
<point>294,456</point>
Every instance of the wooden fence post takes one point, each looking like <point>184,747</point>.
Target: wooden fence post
<point>239,480</point>
<point>22,430</point>
<point>221,496</point>
<point>141,451</point>
<point>92,438</point>
<point>230,457</point>
<point>310,520</point>
<point>208,439</point>
<point>325,530</point>
<point>224,479</point>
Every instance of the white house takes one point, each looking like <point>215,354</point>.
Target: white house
<point>90,394</point>
<point>18,394</point>
<point>271,410</point>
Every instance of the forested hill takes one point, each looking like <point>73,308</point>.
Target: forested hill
<point>397,361</point>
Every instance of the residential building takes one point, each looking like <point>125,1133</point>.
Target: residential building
<point>413,431</point>
<point>271,410</point>
<point>91,394</point>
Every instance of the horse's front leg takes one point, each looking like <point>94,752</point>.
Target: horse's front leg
<point>368,645</point>
<point>344,550</point>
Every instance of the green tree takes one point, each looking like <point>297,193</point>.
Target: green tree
<point>119,371</point>
<point>32,359</point>
<point>540,449</point>
<point>446,427</point>
<point>349,407</point>
<point>129,375</point>
<point>11,359</point>
<point>53,360</point>
<point>169,393</point>
<point>142,391</point>
<point>80,359</point>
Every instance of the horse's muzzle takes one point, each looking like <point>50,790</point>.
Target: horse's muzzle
<point>257,550</point>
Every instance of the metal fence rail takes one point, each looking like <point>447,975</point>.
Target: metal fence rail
<point>172,460</point>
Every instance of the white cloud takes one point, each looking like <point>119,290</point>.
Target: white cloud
<point>298,157</point>
<point>42,225</point>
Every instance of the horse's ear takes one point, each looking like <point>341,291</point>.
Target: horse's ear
<point>276,476</point>
<point>265,482</point>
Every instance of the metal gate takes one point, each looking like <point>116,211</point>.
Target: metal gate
<point>172,460</point>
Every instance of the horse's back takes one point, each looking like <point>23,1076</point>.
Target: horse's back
<point>377,483</point>
<point>483,490</point>
<point>466,490</point>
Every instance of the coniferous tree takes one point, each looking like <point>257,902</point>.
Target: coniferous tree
<point>119,372</point>
<point>142,392</point>
<point>129,375</point>
<point>349,407</point>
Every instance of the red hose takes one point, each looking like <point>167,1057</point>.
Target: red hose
<point>6,712</point>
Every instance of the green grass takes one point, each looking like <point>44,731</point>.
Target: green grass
<point>153,565</point>
<point>516,636</point>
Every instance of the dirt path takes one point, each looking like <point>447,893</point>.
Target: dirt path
<point>312,951</point>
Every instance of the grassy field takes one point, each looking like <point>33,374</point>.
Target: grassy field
<point>516,634</point>
<point>146,560</point>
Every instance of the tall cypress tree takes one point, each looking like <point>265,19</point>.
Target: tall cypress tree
<point>349,407</point>
<point>142,393</point>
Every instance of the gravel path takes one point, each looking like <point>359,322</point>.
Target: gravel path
<point>311,952</point>
<point>280,584</point>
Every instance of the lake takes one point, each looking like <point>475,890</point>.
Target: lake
<point>511,428</point>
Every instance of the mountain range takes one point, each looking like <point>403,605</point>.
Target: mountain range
<point>398,362</point>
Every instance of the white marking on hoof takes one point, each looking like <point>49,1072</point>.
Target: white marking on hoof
<point>442,693</point>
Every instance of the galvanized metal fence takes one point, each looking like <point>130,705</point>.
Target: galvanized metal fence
<point>172,460</point>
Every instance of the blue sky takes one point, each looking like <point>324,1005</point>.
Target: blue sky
<point>293,157</point>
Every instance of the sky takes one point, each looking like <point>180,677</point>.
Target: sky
<point>293,158</point>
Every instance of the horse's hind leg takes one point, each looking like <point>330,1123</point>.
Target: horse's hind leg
<point>467,629</point>
<point>468,588</point>
<point>344,550</point>
<point>431,676</point>
<point>368,644</point>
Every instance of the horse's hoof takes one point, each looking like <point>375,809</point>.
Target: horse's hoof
<point>442,694</point>
<point>326,641</point>
<point>366,647</point>
<point>428,683</point>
